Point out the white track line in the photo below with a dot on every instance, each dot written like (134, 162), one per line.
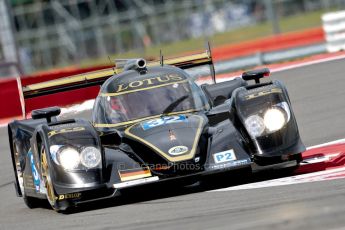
(340, 141)
(307, 63)
(304, 178)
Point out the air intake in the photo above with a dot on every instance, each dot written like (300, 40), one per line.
(136, 64)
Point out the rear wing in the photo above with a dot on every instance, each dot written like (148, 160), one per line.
(98, 77)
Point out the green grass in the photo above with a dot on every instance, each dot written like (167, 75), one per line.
(260, 30)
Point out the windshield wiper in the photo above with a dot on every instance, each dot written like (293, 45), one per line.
(174, 104)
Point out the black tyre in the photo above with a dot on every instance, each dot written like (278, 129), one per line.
(30, 202)
(51, 195)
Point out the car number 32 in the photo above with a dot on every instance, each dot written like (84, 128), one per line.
(162, 121)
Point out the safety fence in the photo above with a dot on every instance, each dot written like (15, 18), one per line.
(42, 34)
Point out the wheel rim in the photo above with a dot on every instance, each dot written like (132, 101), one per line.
(47, 180)
(18, 169)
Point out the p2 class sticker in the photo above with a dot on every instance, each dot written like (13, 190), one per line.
(225, 156)
(178, 150)
(146, 125)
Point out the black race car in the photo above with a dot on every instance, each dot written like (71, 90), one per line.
(151, 123)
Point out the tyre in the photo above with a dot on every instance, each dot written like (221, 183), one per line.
(51, 195)
(30, 202)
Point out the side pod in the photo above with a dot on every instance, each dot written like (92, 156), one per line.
(267, 120)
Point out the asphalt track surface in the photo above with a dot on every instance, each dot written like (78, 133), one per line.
(318, 99)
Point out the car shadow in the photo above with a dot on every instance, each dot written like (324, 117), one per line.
(168, 190)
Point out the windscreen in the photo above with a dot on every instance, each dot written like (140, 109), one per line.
(147, 102)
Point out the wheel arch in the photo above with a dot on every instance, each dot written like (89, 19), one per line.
(11, 143)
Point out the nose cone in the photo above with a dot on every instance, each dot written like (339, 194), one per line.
(175, 138)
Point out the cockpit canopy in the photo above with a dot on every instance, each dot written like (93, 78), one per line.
(131, 96)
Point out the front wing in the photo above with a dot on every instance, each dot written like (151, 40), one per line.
(113, 188)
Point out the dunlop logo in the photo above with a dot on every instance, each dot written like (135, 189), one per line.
(69, 196)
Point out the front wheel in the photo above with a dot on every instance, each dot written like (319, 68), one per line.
(30, 202)
(51, 195)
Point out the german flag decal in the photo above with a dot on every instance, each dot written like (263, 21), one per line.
(133, 174)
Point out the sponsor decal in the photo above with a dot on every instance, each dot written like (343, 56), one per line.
(133, 174)
(146, 125)
(36, 177)
(225, 156)
(263, 93)
(66, 130)
(231, 164)
(69, 196)
(135, 182)
(145, 83)
(197, 159)
(178, 150)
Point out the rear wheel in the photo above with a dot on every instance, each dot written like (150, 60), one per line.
(51, 195)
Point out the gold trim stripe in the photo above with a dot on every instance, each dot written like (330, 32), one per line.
(194, 59)
(188, 156)
(180, 61)
(70, 80)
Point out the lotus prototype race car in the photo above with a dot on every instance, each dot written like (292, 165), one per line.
(151, 122)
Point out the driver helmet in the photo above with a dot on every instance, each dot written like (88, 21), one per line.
(116, 112)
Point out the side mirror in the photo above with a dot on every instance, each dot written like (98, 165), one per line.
(111, 138)
(46, 113)
(255, 74)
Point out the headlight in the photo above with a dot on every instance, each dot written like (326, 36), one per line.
(90, 157)
(255, 125)
(69, 158)
(274, 119)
